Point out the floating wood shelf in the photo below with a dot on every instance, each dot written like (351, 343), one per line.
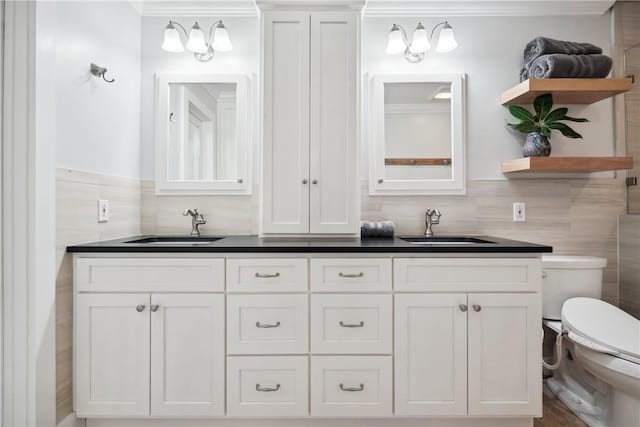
(445, 161)
(567, 91)
(567, 164)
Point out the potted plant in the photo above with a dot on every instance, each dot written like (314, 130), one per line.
(538, 127)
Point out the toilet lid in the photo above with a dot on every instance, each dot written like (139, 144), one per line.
(603, 324)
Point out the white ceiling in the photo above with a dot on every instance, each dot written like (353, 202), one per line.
(372, 8)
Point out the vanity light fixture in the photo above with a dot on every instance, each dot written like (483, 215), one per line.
(203, 48)
(414, 51)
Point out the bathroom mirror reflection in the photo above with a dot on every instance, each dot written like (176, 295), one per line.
(202, 135)
(417, 134)
(417, 130)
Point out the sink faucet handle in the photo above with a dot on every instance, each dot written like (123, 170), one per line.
(192, 212)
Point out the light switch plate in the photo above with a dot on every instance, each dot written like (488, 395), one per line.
(103, 211)
(519, 214)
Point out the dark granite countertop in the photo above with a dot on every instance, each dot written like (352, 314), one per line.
(255, 244)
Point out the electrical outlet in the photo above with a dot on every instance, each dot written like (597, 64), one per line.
(103, 211)
(519, 212)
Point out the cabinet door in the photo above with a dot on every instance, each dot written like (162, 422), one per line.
(286, 122)
(187, 355)
(505, 374)
(112, 355)
(431, 354)
(334, 122)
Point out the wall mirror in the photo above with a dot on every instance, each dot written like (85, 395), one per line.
(202, 135)
(416, 133)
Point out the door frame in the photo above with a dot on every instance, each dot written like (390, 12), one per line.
(28, 219)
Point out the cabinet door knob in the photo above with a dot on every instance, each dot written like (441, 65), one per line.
(463, 307)
(305, 181)
(240, 180)
(154, 307)
(140, 308)
(380, 180)
(314, 182)
(476, 307)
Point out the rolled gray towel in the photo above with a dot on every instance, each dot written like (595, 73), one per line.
(544, 46)
(377, 229)
(570, 66)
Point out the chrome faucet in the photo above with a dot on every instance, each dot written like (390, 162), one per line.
(197, 219)
(432, 217)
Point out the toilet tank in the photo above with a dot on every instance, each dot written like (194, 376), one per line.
(565, 277)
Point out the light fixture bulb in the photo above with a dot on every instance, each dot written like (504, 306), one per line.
(196, 41)
(446, 39)
(172, 42)
(420, 42)
(221, 40)
(395, 42)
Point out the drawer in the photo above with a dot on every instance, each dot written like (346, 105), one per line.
(267, 324)
(149, 274)
(467, 274)
(350, 275)
(356, 324)
(267, 275)
(259, 386)
(354, 386)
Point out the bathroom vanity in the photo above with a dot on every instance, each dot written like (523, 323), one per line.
(243, 327)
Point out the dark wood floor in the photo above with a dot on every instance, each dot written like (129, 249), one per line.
(556, 414)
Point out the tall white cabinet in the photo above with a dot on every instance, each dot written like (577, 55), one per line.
(310, 122)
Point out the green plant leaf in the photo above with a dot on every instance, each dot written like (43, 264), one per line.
(543, 104)
(546, 132)
(557, 114)
(521, 113)
(525, 127)
(565, 130)
(574, 119)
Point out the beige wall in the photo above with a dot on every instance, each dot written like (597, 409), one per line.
(629, 255)
(77, 195)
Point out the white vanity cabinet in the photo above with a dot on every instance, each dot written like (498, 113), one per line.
(328, 335)
(475, 353)
(310, 124)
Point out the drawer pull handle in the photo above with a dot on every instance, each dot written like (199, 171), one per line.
(352, 325)
(341, 274)
(267, 275)
(140, 308)
(267, 325)
(476, 307)
(343, 388)
(267, 389)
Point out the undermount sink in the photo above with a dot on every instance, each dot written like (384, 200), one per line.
(188, 240)
(445, 240)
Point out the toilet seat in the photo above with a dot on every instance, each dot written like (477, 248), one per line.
(602, 327)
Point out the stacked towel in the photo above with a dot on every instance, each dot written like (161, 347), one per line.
(377, 229)
(549, 58)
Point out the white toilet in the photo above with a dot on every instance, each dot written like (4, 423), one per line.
(599, 377)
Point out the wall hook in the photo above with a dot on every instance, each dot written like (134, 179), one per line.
(98, 71)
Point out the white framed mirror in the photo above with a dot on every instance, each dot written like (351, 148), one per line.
(202, 134)
(417, 134)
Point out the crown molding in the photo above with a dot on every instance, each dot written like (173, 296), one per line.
(422, 8)
(310, 4)
(213, 8)
(375, 8)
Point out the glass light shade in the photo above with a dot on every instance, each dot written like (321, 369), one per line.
(221, 40)
(420, 42)
(196, 41)
(443, 95)
(172, 42)
(446, 40)
(395, 42)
